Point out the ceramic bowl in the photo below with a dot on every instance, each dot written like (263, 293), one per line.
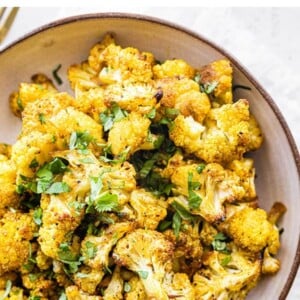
(68, 41)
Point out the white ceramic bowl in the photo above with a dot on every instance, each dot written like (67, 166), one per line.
(68, 41)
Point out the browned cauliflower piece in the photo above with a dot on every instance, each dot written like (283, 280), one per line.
(173, 68)
(149, 209)
(178, 286)
(41, 87)
(148, 253)
(16, 231)
(134, 289)
(95, 52)
(250, 229)
(128, 134)
(125, 65)
(91, 102)
(183, 94)
(187, 248)
(82, 78)
(5, 150)
(35, 146)
(216, 78)
(214, 186)
(223, 137)
(74, 293)
(114, 291)
(226, 277)
(8, 195)
(137, 96)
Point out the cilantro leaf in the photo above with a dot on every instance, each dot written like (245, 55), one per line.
(80, 140)
(37, 216)
(114, 114)
(193, 198)
(106, 202)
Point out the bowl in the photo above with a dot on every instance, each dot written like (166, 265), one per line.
(68, 41)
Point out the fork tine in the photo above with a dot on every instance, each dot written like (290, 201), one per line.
(8, 22)
(2, 10)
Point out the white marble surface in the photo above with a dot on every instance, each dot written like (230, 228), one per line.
(265, 40)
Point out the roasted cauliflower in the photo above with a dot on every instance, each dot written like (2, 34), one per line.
(137, 186)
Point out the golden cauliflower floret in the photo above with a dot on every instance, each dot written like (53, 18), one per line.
(218, 73)
(16, 231)
(184, 95)
(226, 277)
(173, 68)
(149, 209)
(114, 290)
(73, 292)
(187, 248)
(8, 195)
(15, 293)
(251, 230)
(96, 51)
(35, 146)
(130, 132)
(70, 120)
(102, 245)
(135, 289)
(223, 137)
(5, 150)
(91, 102)
(178, 286)
(125, 65)
(37, 114)
(138, 96)
(30, 92)
(147, 253)
(82, 77)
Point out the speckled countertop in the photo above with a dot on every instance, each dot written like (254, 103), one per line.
(265, 40)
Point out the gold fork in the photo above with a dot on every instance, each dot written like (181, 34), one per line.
(5, 26)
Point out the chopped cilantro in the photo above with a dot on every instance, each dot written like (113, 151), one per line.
(56, 76)
(226, 260)
(127, 287)
(37, 216)
(143, 274)
(42, 118)
(90, 250)
(219, 243)
(176, 224)
(111, 115)
(80, 140)
(193, 198)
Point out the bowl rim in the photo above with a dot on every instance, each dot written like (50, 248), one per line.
(198, 36)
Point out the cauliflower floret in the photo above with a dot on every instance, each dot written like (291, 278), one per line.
(218, 73)
(36, 115)
(188, 249)
(184, 95)
(214, 186)
(224, 137)
(138, 97)
(250, 229)
(16, 231)
(91, 102)
(125, 65)
(15, 293)
(226, 277)
(96, 51)
(35, 146)
(8, 195)
(102, 245)
(173, 68)
(135, 289)
(5, 150)
(150, 210)
(128, 133)
(148, 253)
(42, 87)
(178, 286)
(82, 78)
(115, 287)
(73, 292)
